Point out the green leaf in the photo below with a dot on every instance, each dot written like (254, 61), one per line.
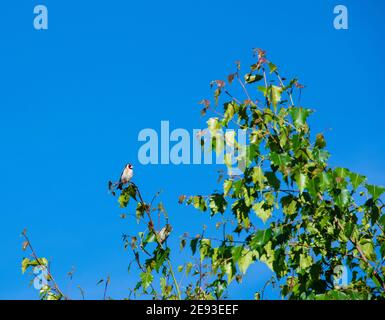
(199, 203)
(163, 284)
(26, 263)
(260, 238)
(140, 209)
(160, 256)
(236, 252)
(275, 96)
(356, 179)
(312, 187)
(267, 255)
(273, 180)
(182, 243)
(193, 245)
(342, 198)
(305, 261)
(126, 195)
(230, 270)
(332, 295)
(124, 199)
(272, 67)
(320, 155)
(280, 160)
(251, 78)
(261, 211)
(146, 278)
(375, 191)
(263, 90)
(342, 172)
(301, 180)
(289, 205)
(368, 249)
(227, 186)
(131, 191)
(279, 263)
(252, 153)
(245, 260)
(258, 176)
(189, 266)
(230, 109)
(320, 141)
(150, 237)
(270, 199)
(325, 181)
(299, 116)
(241, 211)
(205, 248)
(217, 203)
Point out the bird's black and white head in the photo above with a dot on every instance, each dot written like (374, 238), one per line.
(130, 166)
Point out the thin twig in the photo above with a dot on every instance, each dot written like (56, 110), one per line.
(105, 287)
(56, 287)
(244, 89)
(152, 228)
(282, 84)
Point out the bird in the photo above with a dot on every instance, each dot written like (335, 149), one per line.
(125, 177)
(164, 233)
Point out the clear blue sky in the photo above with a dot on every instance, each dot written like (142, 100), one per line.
(73, 99)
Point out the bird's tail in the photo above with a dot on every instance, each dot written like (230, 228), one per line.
(114, 185)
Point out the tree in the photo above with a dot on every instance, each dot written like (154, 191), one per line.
(287, 207)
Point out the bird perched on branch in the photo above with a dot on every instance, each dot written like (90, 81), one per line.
(125, 177)
(164, 233)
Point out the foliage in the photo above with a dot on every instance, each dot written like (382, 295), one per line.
(49, 290)
(287, 208)
(292, 211)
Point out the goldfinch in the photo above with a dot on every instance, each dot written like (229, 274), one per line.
(125, 177)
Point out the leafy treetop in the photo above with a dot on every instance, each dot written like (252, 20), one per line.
(288, 208)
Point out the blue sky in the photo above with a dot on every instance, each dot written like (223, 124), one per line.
(73, 99)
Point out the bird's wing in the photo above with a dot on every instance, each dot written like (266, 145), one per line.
(121, 175)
